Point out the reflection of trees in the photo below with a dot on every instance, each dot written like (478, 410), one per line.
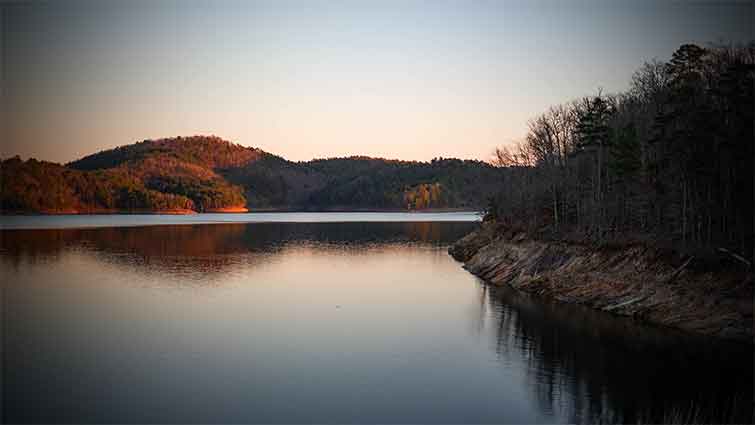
(213, 248)
(146, 243)
(590, 367)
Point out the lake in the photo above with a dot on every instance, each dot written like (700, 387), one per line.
(317, 319)
(122, 220)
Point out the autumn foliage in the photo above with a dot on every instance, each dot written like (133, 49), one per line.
(203, 173)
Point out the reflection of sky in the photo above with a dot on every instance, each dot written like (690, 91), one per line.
(200, 254)
(405, 79)
(308, 333)
(301, 323)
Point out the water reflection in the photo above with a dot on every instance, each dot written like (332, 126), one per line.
(594, 368)
(222, 239)
(201, 251)
(347, 322)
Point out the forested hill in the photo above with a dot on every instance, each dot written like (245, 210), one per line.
(206, 173)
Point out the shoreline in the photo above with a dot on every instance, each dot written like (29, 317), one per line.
(226, 210)
(82, 221)
(96, 212)
(635, 281)
(230, 210)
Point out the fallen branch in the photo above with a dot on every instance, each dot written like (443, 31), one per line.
(626, 303)
(736, 256)
(678, 271)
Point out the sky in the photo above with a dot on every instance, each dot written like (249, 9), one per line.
(405, 79)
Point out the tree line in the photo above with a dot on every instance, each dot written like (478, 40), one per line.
(204, 173)
(670, 159)
(39, 186)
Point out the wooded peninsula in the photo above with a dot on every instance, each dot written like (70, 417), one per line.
(669, 161)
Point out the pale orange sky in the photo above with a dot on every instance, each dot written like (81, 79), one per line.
(398, 79)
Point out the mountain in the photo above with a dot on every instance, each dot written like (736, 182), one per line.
(206, 173)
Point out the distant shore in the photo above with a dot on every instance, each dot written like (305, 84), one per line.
(99, 212)
(231, 210)
(365, 210)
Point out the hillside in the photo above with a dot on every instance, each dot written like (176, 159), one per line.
(206, 173)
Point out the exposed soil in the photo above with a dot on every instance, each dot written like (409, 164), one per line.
(227, 210)
(711, 296)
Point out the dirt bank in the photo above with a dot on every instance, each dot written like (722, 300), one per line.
(711, 296)
(234, 210)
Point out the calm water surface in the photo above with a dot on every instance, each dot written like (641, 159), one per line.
(122, 220)
(317, 322)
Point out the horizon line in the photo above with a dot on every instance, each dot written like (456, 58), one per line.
(214, 136)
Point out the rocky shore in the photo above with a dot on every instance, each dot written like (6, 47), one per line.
(710, 296)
